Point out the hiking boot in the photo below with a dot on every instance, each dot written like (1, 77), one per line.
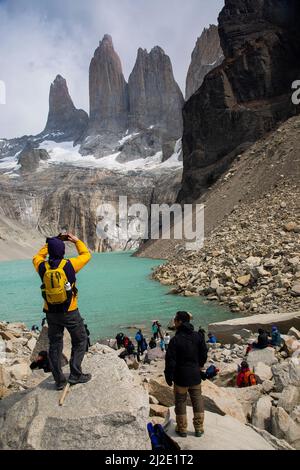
(199, 433)
(83, 379)
(181, 427)
(61, 385)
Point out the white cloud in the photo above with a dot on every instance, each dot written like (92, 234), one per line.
(40, 39)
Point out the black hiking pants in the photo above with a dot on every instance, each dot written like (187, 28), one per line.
(73, 322)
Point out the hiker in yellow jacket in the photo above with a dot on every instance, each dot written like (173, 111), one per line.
(58, 276)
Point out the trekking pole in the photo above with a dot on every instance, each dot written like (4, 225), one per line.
(64, 394)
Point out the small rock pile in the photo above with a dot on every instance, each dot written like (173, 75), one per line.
(251, 263)
(17, 344)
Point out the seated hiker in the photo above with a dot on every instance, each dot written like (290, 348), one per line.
(211, 339)
(276, 339)
(120, 339)
(130, 350)
(262, 340)
(152, 343)
(185, 357)
(211, 372)
(41, 362)
(60, 294)
(245, 377)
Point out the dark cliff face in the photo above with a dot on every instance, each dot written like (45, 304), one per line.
(246, 96)
(155, 99)
(206, 55)
(63, 117)
(108, 90)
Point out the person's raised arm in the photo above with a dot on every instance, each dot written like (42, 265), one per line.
(40, 257)
(84, 254)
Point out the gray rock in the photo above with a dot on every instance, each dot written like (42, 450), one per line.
(261, 413)
(286, 373)
(109, 412)
(290, 398)
(263, 371)
(294, 332)
(30, 158)
(268, 386)
(284, 427)
(265, 356)
(284, 321)
(246, 397)
(220, 433)
(278, 444)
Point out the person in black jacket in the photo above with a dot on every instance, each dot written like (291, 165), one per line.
(186, 355)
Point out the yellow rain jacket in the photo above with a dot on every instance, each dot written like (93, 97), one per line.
(78, 263)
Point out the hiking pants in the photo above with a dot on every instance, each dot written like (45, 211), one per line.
(73, 322)
(140, 347)
(197, 403)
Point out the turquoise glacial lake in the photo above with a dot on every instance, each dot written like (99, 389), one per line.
(115, 293)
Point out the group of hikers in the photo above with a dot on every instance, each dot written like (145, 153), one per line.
(186, 351)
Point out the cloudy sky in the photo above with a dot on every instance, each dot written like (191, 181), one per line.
(42, 38)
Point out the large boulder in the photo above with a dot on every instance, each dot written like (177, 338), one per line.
(261, 414)
(266, 356)
(220, 433)
(154, 355)
(289, 398)
(159, 389)
(246, 396)
(285, 427)
(20, 371)
(216, 399)
(286, 373)
(109, 412)
(224, 330)
(263, 371)
(30, 158)
(227, 376)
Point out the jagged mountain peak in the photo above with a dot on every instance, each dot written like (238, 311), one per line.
(206, 55)
(63, 117)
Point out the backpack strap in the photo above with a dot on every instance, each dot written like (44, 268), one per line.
(62, 264)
